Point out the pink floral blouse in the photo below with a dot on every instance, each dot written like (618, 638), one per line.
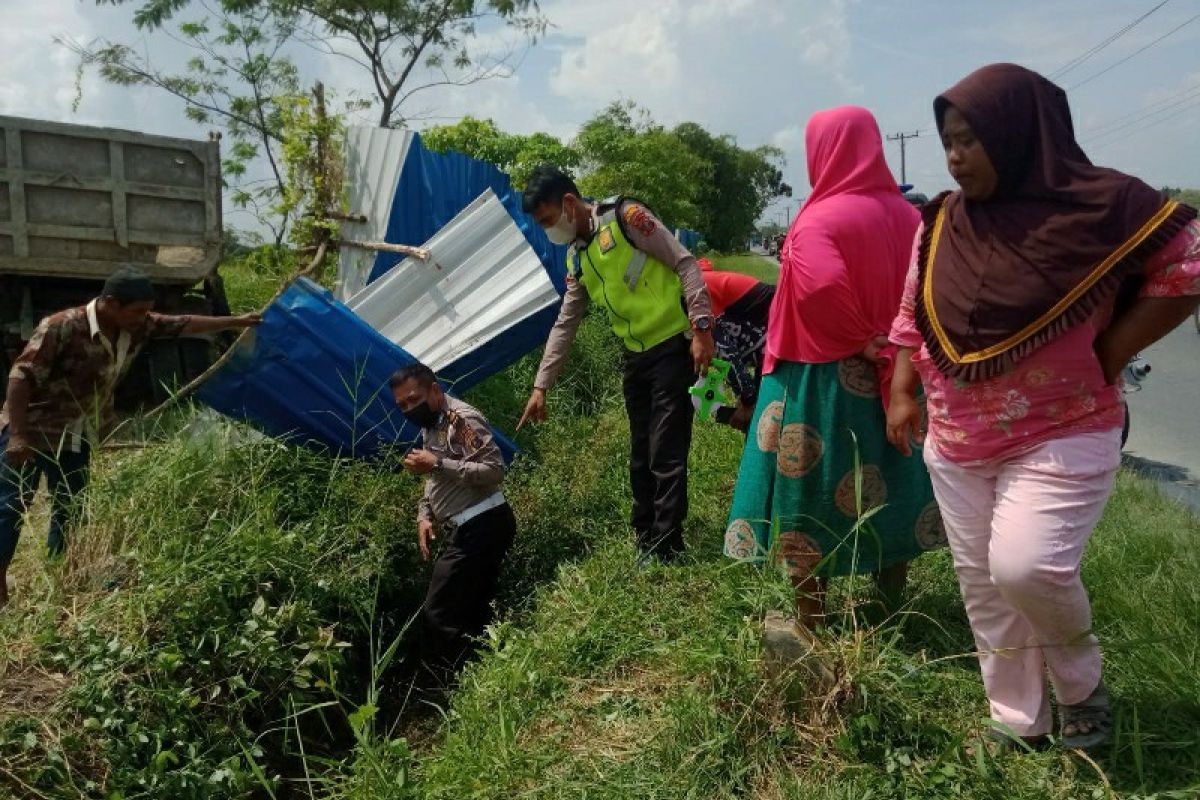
(1056, 391)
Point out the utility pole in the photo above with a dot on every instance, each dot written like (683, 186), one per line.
(902, 138)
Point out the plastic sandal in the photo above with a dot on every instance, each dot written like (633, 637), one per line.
(1091, 721)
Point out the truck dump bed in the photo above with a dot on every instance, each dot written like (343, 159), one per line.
(77, 201)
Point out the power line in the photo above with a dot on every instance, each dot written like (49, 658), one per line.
(1135, 52)
(1195, 104)
(1100, 130)
(1075, 62)
(1111, 128)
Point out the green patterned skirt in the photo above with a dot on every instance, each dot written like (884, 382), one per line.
(820, 489)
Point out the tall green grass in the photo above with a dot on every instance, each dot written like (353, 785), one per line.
(631, 684)
(233, 621)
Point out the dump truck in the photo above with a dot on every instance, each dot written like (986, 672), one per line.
(78, 202)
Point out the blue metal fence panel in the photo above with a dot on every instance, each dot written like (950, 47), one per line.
(315, 374)
(434, 187)
(689, 238)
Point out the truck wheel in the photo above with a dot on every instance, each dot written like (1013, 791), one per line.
(214, 290)
(195, 356)
(166, 368)
(4, 368)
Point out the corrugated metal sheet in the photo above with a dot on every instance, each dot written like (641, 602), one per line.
(375, 158)
(392, 173)
(315, 374)
(482, 280)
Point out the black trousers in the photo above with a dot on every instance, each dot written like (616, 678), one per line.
(458, 605)
(660, 433)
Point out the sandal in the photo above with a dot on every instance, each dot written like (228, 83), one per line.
(1088, 724)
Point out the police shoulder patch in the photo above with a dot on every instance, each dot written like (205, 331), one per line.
(606, 240)
(637, 217)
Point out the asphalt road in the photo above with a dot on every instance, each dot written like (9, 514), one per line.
(1164, 438)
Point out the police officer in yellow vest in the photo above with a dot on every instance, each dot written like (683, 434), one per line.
(624, 259)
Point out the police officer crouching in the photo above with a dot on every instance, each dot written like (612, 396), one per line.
(463, 503)
(623, 258)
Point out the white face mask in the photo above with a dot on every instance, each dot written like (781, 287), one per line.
(563, 231)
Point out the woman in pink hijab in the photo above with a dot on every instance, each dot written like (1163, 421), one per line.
(820, 491)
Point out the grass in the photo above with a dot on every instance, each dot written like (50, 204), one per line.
(223, 627)
(631, 684)
(764, 269)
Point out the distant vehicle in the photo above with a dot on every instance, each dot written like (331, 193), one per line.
(77, 202)
(1132, 378)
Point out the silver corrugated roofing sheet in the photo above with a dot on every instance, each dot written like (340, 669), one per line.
(481, 279)
(374, 158)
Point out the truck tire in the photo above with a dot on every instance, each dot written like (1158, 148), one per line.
(166, 368)
(214, 290)
(5, 366)
(195, 356)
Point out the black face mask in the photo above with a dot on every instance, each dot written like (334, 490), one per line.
(422, 415)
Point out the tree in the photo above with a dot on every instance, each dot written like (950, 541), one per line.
(405, 46)
(741, 184)
(236, 78)
(624, 152)
(241, 77)
(1189, 196)
(514, 154)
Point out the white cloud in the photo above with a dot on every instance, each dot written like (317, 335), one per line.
(756, 69)
(26, 39)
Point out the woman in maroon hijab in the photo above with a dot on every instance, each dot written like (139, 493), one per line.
(1031, 288)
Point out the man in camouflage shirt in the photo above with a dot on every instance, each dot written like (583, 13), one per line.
(60, 399)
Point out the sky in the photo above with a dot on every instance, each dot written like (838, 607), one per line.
(753, 69)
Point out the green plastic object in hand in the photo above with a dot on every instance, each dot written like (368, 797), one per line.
(711, 392)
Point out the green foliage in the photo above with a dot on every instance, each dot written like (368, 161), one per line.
(1189, 196)
(233, 621)
(741, 184)
(235, 78)
(410, 46)
(625, 152)
(312, 158)
(515, 154)
(239, 77)
(404, 47)
(688, 176)
(646, 684)
(254, 625)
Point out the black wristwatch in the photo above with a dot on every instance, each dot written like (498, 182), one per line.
(703, 324)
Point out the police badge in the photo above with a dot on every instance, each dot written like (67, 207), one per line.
(606, 240)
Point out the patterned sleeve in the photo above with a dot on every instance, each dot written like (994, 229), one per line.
(740, 379)
(165, 326)
(37, 359)
(1174, 271)
(904, 328)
